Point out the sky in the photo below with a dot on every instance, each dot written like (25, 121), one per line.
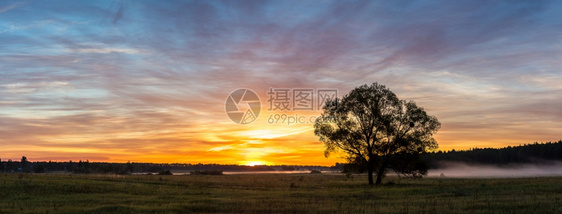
(147, 81)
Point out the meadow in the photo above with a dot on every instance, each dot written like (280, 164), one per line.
(274, 193)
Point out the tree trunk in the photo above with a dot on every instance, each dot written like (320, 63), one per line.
(380, 173)
(370, 173)
(379, 177)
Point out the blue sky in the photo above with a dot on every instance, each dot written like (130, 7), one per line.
(147, 80)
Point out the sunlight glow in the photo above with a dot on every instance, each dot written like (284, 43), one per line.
(255, 163)
(271, 134)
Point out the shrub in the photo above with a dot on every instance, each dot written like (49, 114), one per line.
(167, 172)
(206, 172)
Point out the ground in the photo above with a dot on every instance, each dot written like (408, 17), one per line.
(280, 193)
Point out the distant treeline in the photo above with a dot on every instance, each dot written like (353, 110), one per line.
(528, 153)
(86, 167)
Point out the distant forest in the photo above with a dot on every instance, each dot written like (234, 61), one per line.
(87, 167)
(536, 153)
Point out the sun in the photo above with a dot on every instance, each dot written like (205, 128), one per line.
(254, 163)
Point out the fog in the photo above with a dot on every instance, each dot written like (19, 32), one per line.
(463, 170)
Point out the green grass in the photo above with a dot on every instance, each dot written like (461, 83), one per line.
(278, 193)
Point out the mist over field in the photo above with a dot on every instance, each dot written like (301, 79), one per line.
(464, 170)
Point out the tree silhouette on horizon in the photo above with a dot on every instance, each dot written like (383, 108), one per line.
(375, 128)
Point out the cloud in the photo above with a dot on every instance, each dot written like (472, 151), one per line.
(109, 50)
(10, 7)
(141, 78)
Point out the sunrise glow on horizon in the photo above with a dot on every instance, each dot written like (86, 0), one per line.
(150, 81)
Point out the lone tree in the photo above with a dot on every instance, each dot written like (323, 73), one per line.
(378, 130)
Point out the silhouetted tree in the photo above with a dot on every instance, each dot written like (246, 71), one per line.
(9, 166)
(130, 167)
(24, 164)
(376, 128)
(82, 167)
(355, 164)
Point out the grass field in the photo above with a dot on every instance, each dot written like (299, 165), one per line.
(280, 193)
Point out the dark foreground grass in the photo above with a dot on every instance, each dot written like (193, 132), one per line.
(278, 193)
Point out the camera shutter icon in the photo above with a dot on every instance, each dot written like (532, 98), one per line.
(243, 106)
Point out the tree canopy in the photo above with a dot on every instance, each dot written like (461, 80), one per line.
(373, 127)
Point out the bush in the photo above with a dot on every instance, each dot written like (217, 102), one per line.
(167, 172)
(206, 172)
